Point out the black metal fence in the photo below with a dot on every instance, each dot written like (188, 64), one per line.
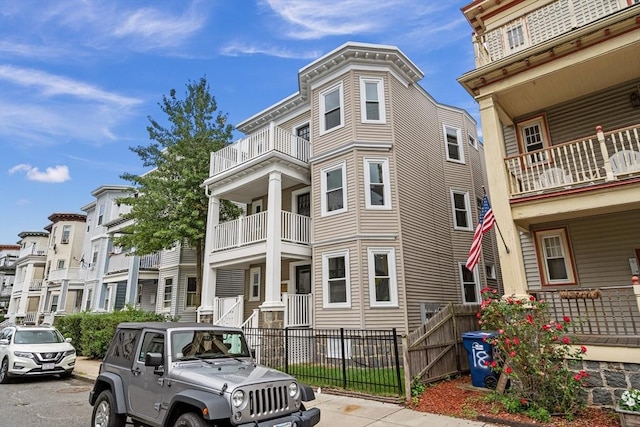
(366, 361)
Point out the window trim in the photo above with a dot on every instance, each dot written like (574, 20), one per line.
(473, 141)
(466, 209)
(252, 272)
(460, 144)
(569, 260)
(100, 213)
(164, 293)
(476, 279)
(393, 278)
(322, 111)
(541, 120)
(186, 293)
(386, 177)
(325, 279)
(517, 23)
(379, 81)
(323, 189)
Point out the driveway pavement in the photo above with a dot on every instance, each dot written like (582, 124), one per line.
(336, 410)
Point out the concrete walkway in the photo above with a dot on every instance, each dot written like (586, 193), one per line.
(338, 411)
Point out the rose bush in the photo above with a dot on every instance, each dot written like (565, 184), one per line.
(533, 350)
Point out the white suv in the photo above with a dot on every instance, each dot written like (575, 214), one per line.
(35, 350)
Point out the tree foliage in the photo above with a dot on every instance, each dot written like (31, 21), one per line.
(168, 204)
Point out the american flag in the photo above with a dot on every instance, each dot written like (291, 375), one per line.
(485, 223)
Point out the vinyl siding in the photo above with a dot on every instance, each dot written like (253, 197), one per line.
(431, 249)
(370, 131)
(337, 137)
(296, 121)
(338, 317)
(601, 245)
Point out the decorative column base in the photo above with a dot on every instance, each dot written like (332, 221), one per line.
(273, 319)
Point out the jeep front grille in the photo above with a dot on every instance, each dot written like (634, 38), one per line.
(268, 400)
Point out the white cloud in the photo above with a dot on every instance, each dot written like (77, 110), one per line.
(55, 174)
(52, 85)
(237, 48)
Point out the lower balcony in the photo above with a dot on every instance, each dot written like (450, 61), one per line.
(607, 315)
(123, 262)
(73, 274)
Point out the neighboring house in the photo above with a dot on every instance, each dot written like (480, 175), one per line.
(117, 277)
(30, 270)
(362, 195)
(64, 274)
(8, 256)
(558, 83)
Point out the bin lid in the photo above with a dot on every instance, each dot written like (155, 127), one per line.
(478, 334)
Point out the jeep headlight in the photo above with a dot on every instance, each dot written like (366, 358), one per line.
(293, 389)
(237, 398)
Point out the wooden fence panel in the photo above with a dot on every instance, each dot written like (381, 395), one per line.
(434, 351)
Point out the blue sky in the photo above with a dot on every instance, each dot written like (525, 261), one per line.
(78, 78)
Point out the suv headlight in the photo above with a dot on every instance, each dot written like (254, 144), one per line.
(293, 389)
(237, 398)
(24, 354)
(69, 353)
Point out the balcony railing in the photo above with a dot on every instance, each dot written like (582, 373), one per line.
(269, 139)
(35, 285)
(610, 311)
(73, 273)
(33, 250)
(601, 158)
(228, 311)
(298, 309)
(540, 25)
(122, 262)
(253, 229)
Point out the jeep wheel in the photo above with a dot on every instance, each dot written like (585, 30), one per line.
(190, 419)
(104, 412)
(4, 371)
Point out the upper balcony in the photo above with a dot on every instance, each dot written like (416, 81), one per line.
(269, 141)
(75, 274)
(539, 26)
(36, 250)
(123, 262)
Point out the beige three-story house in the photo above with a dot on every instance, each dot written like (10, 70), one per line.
(362, 196)
(558, 84)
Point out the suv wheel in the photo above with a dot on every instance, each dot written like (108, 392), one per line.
(104, 412)
(190, 419)
(4, 371)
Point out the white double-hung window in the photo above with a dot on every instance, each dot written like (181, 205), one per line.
(453, 144)
(372, 100)
(334, 192)
(555, 258)
(383, 289)
(336, 288)
(377, 184)
(461, 211)
(331, 108)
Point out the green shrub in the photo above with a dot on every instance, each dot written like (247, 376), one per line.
(91, 333)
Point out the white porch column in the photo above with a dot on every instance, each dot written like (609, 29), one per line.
(24, 297)
(209, 274)
(272, 300)
(131, 294)
(512, 265)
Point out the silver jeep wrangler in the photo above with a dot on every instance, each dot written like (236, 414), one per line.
(193, 375)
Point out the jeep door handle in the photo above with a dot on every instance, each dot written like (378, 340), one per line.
(136, 372)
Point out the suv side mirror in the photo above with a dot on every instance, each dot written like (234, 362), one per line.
(68, 340)
(153, 359)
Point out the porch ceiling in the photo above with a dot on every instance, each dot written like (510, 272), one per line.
(567, 205)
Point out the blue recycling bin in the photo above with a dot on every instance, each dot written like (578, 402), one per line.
(480, 356)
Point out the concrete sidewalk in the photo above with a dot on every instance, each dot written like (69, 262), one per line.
(338, 410)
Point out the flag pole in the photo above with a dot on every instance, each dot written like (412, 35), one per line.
(498, 227)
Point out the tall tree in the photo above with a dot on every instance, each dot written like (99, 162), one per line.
(168, 204)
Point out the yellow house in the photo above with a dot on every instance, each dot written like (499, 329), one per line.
(558, 84)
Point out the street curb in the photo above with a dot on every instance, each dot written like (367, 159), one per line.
(82, 377)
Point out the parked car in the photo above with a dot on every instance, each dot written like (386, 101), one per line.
(35, 350)
(193, 375)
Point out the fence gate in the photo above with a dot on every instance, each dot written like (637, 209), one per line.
(434, 351)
